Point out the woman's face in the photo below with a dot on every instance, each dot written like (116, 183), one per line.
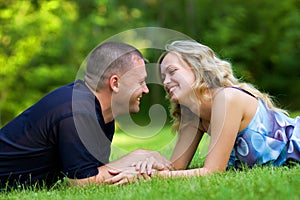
(177, 78)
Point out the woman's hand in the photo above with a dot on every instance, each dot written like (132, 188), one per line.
(153, 161)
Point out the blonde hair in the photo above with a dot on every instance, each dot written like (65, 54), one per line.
(210, 72)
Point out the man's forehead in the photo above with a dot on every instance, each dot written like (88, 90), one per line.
(138, 71)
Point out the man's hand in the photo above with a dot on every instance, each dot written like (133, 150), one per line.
(137, 165)
(126, 175)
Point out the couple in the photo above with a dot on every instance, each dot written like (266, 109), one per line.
(69, 131)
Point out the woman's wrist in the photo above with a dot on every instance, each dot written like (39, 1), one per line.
(182, 173)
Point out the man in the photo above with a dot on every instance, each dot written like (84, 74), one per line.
(68, 132)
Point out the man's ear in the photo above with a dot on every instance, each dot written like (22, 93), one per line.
(114, 83)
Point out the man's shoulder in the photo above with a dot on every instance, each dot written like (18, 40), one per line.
(67, 93)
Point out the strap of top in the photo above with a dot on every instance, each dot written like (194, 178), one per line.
(243, 90)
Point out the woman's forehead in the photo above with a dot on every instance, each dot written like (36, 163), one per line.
(170, 59)
(173, 59)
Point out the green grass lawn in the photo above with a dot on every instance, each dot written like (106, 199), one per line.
(258, 183)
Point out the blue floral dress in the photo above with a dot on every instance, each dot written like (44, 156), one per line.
(270, 138)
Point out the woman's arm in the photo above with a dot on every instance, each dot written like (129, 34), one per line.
(227, 113)
(184, 150)
(183, 173)
(186, 146)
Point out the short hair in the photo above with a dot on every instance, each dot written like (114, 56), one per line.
(106, 59)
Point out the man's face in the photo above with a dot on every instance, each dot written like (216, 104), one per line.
(132, 86)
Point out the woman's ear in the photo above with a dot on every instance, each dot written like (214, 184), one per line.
(114, 83)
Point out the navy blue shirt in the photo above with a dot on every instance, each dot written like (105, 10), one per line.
(63, 134)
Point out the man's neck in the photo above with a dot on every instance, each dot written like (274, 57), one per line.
(105, 104)
(104, 98)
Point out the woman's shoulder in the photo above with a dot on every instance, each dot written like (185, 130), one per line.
(233, 93)
(227, 94)
(237, 102)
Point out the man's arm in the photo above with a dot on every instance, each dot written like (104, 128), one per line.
(102, 175)
(123, 169)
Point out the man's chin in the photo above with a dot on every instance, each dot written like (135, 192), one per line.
(134, 110)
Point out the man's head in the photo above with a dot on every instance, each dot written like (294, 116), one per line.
(119, 68)
(106, 59)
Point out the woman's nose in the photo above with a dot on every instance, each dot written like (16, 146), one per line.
(166, 80)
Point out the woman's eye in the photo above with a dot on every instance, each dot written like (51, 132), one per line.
(172, 71)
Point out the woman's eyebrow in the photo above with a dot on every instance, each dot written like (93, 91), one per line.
(165, 70)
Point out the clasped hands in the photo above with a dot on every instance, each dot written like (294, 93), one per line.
(139, 170)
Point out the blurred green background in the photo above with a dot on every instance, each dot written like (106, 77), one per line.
(43, 43)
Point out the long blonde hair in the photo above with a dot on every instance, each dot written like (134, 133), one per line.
(210, 72)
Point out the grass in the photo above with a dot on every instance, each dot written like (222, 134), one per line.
(258, 183)
(294, 114)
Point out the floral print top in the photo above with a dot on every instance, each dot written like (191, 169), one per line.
(270, 138)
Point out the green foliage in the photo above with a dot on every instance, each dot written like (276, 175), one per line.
(260, 38)
(32, 62)
(44, 42)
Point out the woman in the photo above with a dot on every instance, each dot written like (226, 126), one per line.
(243, 123)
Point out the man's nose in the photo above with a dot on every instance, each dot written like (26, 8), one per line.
(145, 89)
